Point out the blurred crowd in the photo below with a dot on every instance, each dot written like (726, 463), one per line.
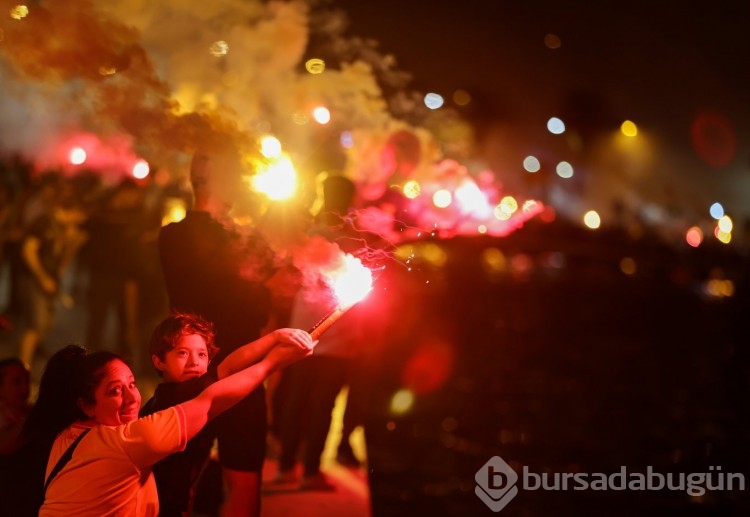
(80, 240)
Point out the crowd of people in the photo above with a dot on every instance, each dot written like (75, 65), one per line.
(76, 239)
(172, 299)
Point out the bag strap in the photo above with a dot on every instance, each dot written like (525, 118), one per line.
(65, 458)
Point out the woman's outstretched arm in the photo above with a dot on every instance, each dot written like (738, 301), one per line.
(228, 391)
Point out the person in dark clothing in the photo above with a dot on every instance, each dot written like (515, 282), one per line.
(218, 272)
(307, 393)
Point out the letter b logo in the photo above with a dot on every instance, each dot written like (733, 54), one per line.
(496, 483)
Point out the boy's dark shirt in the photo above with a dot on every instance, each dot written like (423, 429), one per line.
(177, 474)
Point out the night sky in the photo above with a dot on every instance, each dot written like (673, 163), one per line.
(658, 65)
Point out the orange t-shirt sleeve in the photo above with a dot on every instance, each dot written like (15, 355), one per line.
(151, 438)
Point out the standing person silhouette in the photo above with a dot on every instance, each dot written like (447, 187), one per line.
(212, 270)
(307, 392)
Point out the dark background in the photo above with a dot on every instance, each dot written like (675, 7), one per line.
(559, 362)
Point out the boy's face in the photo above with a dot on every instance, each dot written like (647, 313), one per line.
(15, 387)
(188, 359)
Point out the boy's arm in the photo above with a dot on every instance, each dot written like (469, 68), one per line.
(254, 351)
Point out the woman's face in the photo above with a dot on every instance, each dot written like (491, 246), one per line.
(116, 397)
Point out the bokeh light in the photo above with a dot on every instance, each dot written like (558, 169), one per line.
(552, 41)
(19, 12)
(628, 128)
(219, 49)
(141, 169)
(461, 97)
(713, 138)
(346, 139)
(433, 101)
(77, 156)
(442, 198)
(722, 236)
(531, 164)
(716, 211)
(321, 115)
(592, 219)
(564, 170)
(725, 224)
(428, 368)
(402, 401)
(508, 205)
(628, 266)
(694, 236)
(270, 147)
(555, 126)
(315, 66)
(412, 189)
(493, 260)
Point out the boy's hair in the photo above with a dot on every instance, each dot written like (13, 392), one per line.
(178, 324)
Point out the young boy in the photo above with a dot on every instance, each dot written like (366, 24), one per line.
(181, 348)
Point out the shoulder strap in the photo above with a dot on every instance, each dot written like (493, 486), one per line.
(65, 458)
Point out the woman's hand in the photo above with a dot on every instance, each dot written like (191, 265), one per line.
(286, 353)
(294, 337)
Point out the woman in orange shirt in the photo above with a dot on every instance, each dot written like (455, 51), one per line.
(109, 472)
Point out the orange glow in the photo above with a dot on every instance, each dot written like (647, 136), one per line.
(429, 368)
(713, 138)
(628, 266)
(628, 128)
(277, 180)
(552, 41)
(174, 210)
(461, 97)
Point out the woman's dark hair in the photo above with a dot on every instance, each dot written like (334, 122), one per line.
(71, 374)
